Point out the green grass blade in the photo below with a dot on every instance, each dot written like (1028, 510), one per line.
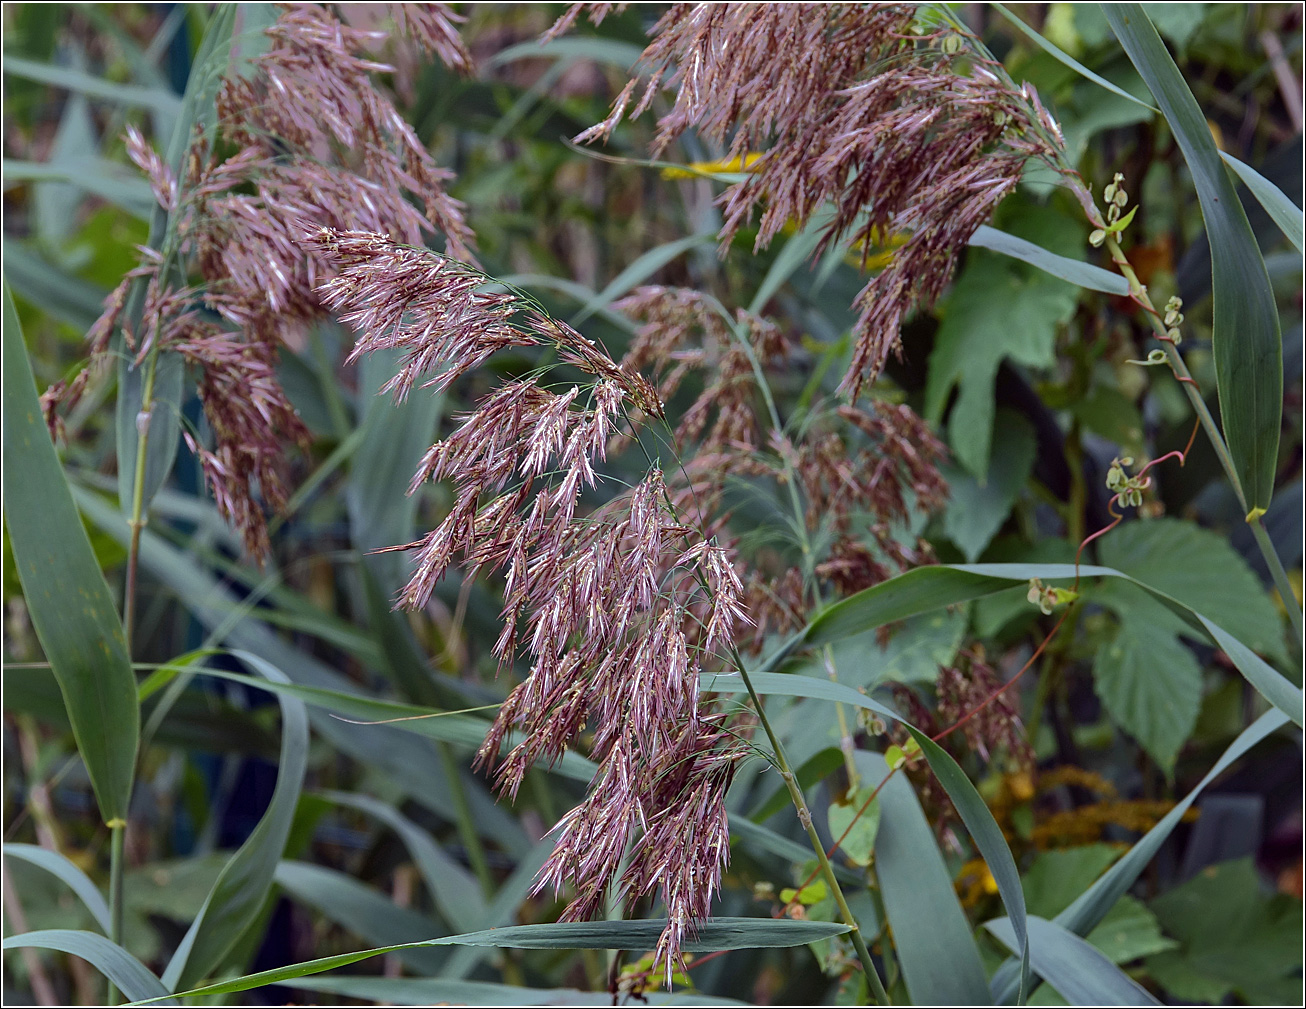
(987, 835)
(933, 941)
(1085, 275)
(638, 272)
(453, 889)
(69, 601)
(63, 295)
(105, 179)
(60, 866)
(1245, 339)
(130, 975)
(1067, 59)
(159, 99)
(1286, 214)
(238, 895)
(621, 55)
(796, 251)
(1081, 973)
(404, 757)
(427, 991)
(366, 912)
(715, 935)
(217, 55)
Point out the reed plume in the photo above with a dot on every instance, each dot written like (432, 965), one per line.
(904, 131)
(617, 608)
(303, 136)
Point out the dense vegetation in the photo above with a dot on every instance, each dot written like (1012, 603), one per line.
(824, 524)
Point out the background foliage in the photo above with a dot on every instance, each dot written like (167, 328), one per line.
(268, 824)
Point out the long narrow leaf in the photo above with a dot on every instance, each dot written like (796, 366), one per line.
(1286, 214)
(935, 947)
(61, 867)
(1066, 59)
(66, 594)
(637, 272)
(159, 99)
(1085, 275)
(130, 975)
(427, 991)
(987, 835)
(719, 934)
(1245, 338)
(236, 898)
(455, 892)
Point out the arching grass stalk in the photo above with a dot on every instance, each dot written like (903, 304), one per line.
(878, 994)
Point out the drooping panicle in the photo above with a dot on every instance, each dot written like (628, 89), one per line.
(616, 608)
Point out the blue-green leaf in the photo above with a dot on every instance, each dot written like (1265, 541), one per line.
(1081, 973)
(131, 976)
(60, 866)
(239, 893)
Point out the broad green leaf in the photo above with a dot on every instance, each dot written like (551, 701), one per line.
(131, 976)
(67, 597)
(60, 866)
(1110, 413)
(1286, 214)
(851, 819)
(1057, 877)
(997, 310)
(238, 895)
(977, 508)
(1092, 906)
(1201, 570)
(455, 892)
(1065, 58)
(638, 272)
(932, 938)
(1081, 973)
(1129, 931)
(1234, 934)
(1073, 271)
(1245, 336)
(427, 991)
(1152, 686)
